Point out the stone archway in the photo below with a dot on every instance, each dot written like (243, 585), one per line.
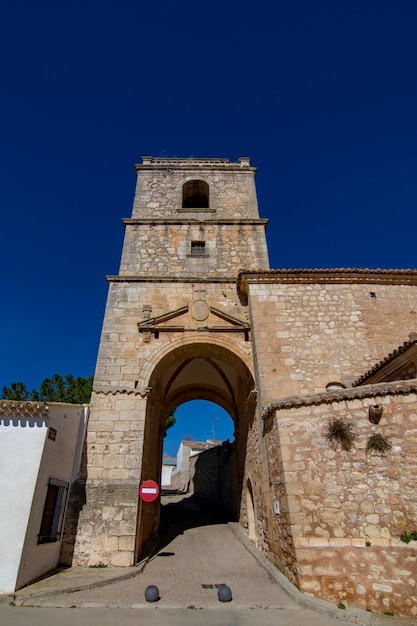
(204, 371)
(175, 329)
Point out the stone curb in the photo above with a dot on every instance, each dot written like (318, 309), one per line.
(19, 600)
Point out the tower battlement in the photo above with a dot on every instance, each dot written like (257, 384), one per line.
(189, 163)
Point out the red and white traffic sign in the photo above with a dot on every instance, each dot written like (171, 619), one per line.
(149, 491)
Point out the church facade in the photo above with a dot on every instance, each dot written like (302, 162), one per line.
(317, 369)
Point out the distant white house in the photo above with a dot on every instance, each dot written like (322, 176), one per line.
(168, 466)
(181, 477)
(40, 454)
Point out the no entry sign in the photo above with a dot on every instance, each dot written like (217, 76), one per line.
(149, 491)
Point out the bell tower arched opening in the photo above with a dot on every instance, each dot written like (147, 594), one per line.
(198, 371)
(195, 195)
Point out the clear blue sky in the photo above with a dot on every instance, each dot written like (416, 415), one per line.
(198, 420)
(322, 95)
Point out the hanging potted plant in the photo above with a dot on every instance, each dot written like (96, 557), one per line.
(375, 413)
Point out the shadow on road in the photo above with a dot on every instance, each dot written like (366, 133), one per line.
(190, 512)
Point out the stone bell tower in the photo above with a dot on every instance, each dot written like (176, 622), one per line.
(193, 218)
(174, 330)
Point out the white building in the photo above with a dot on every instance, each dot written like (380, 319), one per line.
(182, 475)
(168, 466)
(40, 455)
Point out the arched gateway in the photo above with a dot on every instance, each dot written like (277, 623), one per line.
(175, 329)
(185, 321)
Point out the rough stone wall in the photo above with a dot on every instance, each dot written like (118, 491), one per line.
(308, 335)
(348, 509)
(159, 191)
(213, 475)
(256, 472)
(158, 236)
(124, 355)
(277, 532)
(162, 249)
(182, 481)
(107, 520)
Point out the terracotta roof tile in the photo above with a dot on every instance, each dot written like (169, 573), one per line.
(14, 408)
(368, 391)
(388, 359)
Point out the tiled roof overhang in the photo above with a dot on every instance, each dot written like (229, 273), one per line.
(340, 395)
(14, 408)
(329, 276)
(405, 353)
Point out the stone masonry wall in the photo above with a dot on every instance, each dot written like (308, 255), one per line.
(159, 234)
(124, 356)
(214, 474)
(162, 249)
(256, 472)
(232, 190)
(115, 439)
(348, 509)
(107, 518)
(308, 335)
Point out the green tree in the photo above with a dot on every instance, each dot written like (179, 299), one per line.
(78, 390)
(55, 389)
(52, 389)
(169, 422)
(68, 389)
(16, 391)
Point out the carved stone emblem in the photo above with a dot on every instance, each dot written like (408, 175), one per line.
(200, 310)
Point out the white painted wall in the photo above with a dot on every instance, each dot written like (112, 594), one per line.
(183, 454)
(166, 475)
(28, 459)
(58, 459)
(21, 445)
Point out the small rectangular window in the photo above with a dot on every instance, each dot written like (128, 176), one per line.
(198, 248)
(53, 511)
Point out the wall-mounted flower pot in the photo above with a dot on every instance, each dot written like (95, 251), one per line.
(375, 413)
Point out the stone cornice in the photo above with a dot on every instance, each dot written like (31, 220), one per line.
(108, 390)
(340, 395)
(327, 276)
(172, 221)
(171, 279)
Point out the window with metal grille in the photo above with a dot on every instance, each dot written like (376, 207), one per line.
(53, 511)
(198, 248)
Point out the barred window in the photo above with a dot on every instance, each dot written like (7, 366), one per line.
(198, 248)
(53, 511)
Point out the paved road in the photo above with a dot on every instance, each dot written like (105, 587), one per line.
(197, 553)
(157, 616)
